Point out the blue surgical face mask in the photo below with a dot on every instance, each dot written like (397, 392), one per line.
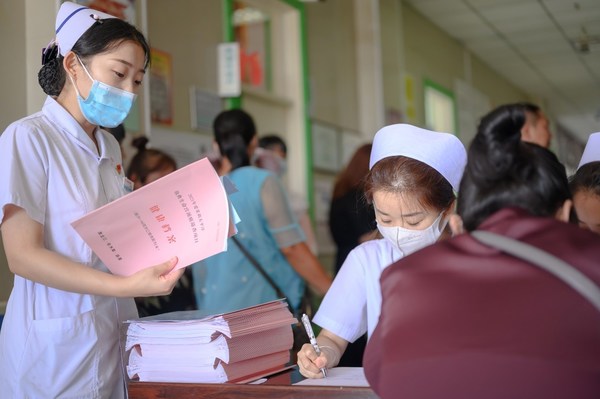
(106, 105)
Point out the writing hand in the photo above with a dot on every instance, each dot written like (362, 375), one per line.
(310, 364)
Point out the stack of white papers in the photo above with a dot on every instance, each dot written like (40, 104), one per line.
(188, 346)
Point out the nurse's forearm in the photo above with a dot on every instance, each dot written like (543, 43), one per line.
(308, 266)
(54, 270)
(27, 257)
(306, 225)
(333, 345)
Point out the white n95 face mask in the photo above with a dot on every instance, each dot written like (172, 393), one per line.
(409, 241)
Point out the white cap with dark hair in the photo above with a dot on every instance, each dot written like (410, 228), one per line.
(591, 153)
(444, 152)
(72, 21)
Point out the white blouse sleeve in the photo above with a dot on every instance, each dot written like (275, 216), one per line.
(344, 308)
(23, 175)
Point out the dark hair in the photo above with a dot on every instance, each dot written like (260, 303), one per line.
(525, 107)
(147, 160)
(407, 176)
(503, 171)
(353, 175)
(531, 109)
(234, 130)
(272, 140)
(587, 178)
(118, 132)
(102, 36)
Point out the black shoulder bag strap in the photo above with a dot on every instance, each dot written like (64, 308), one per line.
(258, 267)
(550, 263)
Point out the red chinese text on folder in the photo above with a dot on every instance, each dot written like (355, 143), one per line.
(184, 214)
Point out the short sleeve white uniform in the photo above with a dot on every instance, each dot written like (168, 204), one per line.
(55, 343)
(352, 305)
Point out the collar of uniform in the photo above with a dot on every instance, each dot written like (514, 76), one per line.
(102, 138)
(66, 123)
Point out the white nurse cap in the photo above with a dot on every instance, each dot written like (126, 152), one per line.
(444, 152)
(72, 21)
(591, 152)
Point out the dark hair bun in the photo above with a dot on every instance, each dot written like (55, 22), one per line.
(51, 77)
(496, 147)
(140, 143)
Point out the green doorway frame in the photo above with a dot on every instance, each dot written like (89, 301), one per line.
(236, 102)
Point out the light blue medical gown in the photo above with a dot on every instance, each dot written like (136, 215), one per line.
(228, 280)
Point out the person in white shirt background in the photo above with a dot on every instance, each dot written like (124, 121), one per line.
(61, 332)
(413, 179)
(585, 186)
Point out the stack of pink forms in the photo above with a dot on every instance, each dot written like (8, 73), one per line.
(238, 346)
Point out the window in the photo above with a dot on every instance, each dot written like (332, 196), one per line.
(440, 112)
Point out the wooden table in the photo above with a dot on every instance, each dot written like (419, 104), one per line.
(277, 386)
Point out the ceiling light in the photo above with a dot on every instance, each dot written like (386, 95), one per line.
(586, 43)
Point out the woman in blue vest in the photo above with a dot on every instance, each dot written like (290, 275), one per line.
(268, 231)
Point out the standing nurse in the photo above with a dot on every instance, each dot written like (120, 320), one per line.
(60, 336)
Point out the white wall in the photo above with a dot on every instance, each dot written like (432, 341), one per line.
(429, 53)
(13, 101)
(332, 62)
(21, 41)
(188, 30)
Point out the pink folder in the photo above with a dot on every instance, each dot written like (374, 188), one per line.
(184, 214)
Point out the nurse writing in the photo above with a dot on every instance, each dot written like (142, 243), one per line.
(414, 175)
(60, 336)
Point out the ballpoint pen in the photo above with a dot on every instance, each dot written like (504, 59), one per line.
(313, 339)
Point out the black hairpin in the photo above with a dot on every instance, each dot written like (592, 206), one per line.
(49, 52)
